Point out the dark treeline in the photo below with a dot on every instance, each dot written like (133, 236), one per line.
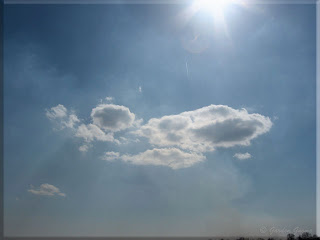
(290, 236)
(303, 236)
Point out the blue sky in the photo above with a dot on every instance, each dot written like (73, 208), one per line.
(208, 128)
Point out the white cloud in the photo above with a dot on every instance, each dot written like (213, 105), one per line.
(109, 99)
(112, 117)
(170, 157)
(84, 148)
(59, 114)
(242, 156)
(46, 190)
(206, 128)
(72, 120)
(107, 118)
(58, 111)
(91, 132)
(110, 156)
(124, 140)
(140, 89)
(182, 138)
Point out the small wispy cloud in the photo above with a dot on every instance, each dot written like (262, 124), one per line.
(62, 117)
(92, 132)
(124, 140)
(109, 99)
(242, 156)
(140, 89)
(84, 148)
(110, 156)
(58, 111)
(168, 157)
(46, 189)
(72, 120)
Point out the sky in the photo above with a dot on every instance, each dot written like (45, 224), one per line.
(159, 119)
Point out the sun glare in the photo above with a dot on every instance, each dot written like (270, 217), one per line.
(210, 4)
(213, 6)
(216, 8)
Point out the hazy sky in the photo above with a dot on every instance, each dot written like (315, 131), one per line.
(159, 120)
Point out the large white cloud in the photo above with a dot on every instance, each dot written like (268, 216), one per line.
(204, 129)
(181, 138)
(170, 157)
(46, 190)
(112, 117)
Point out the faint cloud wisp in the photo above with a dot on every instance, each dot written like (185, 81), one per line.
(46, 189)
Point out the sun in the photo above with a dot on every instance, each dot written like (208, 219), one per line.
(218, 12)
(214, 7)
(211, 4)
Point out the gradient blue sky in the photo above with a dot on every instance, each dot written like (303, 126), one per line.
(155, 63)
